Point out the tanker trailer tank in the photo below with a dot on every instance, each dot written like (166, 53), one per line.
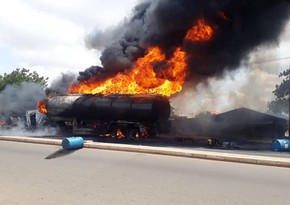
(110, 114)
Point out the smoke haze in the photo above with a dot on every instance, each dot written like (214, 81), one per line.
(17, 99)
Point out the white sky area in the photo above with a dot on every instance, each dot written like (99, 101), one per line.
(47, 36)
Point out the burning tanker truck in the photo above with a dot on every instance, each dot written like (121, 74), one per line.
(164, 44)
(130, 116)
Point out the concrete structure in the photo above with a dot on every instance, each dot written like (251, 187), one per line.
(170, 151)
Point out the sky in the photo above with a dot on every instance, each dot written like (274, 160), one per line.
(49, 37)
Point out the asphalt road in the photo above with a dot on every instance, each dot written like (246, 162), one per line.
(41, 174)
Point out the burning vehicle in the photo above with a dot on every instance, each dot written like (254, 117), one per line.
(162, 48)
(119, 116)
(10, 122)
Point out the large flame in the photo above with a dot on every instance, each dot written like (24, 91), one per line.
(143, 78)
(152, 74)
(155, 73)
(199, 32)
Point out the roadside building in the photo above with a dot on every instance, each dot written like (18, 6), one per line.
(245, 123)
(236, 125)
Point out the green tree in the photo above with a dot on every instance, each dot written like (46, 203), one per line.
(281, 104)
(19, 76)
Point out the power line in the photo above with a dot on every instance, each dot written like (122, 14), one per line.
(271, 60)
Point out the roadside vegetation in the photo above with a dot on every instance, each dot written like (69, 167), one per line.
(281, 103)
(19, 76)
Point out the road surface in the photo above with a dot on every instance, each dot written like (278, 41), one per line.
(42, 174)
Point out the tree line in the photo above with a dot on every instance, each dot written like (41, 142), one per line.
(19, 76)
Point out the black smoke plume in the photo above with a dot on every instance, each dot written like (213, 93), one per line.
(239, 27)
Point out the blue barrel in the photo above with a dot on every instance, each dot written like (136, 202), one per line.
(281, 145)
(72, 143)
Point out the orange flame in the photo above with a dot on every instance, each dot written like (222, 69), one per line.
(137, 135)
(145, 77)
(199, 32)
(120, 134)
(42, 106)
(142, 78)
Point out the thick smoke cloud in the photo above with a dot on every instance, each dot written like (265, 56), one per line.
(15, 100)
(240, 28)
(100, 39)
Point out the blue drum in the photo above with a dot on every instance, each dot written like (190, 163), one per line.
(72, 143)
(281, 145)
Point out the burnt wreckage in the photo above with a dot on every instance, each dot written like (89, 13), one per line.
(109, 115)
